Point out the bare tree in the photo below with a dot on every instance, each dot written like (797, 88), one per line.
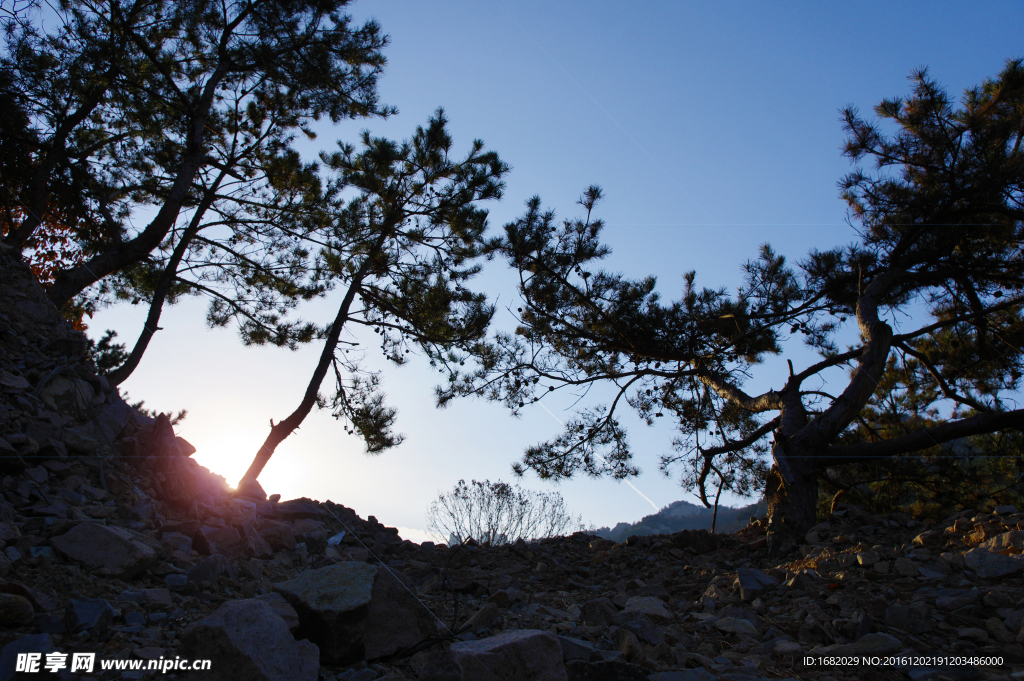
(498, 513)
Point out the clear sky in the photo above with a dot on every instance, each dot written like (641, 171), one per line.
(712, 127)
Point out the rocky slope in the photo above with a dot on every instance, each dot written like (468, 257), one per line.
(115, 542)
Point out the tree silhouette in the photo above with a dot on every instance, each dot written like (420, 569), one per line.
(178, 118)
(398, 256)
(935, 275)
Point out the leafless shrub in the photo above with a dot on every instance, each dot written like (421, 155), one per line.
(499, 513)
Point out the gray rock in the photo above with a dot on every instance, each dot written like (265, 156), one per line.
(176, 581)
(752, 583)
(283, 608)
(176, 541)
(94, 614)
(1002, 543)
(246, 640)
(644, 630)
(356, 611)
(523, 655)
(484, 617)
(905, 567)
(209, 569)
(15, 610)
(35, 643)
(280, 537)
(578, 649)
(125, 553)
(597, 611)
(296, 509)
(650, 606)
(250, 489)
(253, 545)
(736, 625)
(223, 540)
(988, 565)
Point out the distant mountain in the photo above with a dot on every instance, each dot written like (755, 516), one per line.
(682, 515)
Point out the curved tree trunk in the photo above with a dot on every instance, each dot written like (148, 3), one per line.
(792, 504)
(163, 287)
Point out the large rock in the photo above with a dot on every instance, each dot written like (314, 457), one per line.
(209, 569)
(125, 553)
(753, 582)
(253, 545)
(649, 606)
(35, 643)
(356, 611)
(523, 655)
(163, 455)
(282, 608)
(279, 537)
(223, 540)
(94, 614)
(1005, 542)
(597, 611)
(988, 565)
(15, 611)
(246, 640)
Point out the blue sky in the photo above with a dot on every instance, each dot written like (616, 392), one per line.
(712, 127)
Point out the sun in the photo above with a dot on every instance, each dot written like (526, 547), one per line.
(229, 453)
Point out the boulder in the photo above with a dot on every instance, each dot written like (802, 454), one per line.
(988, 565)
(299, 508)
(283, 608)
(597, 612)
(161, 454)
(93, 614)
(209, 569)
(253, 545)
(484, 617)
(176, 541)
(250, 489)
(735, 625)
(357, 611)
(223, 540)
(1005, 543)
(35, 643)
(578, 649)
(246, 640)
(649, 606)
(279, 537)
(905, 567)
(15, 611)
(523, 655)
(125, 553)
(644, 630)
(752, 583)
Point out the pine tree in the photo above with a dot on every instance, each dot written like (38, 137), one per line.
(940, 222)
(157, 145)
(399, 256)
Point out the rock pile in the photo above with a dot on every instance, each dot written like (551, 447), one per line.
(114, 541)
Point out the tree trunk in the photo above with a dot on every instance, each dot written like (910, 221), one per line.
(163, 287)
(792, 506)
(279, 431)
